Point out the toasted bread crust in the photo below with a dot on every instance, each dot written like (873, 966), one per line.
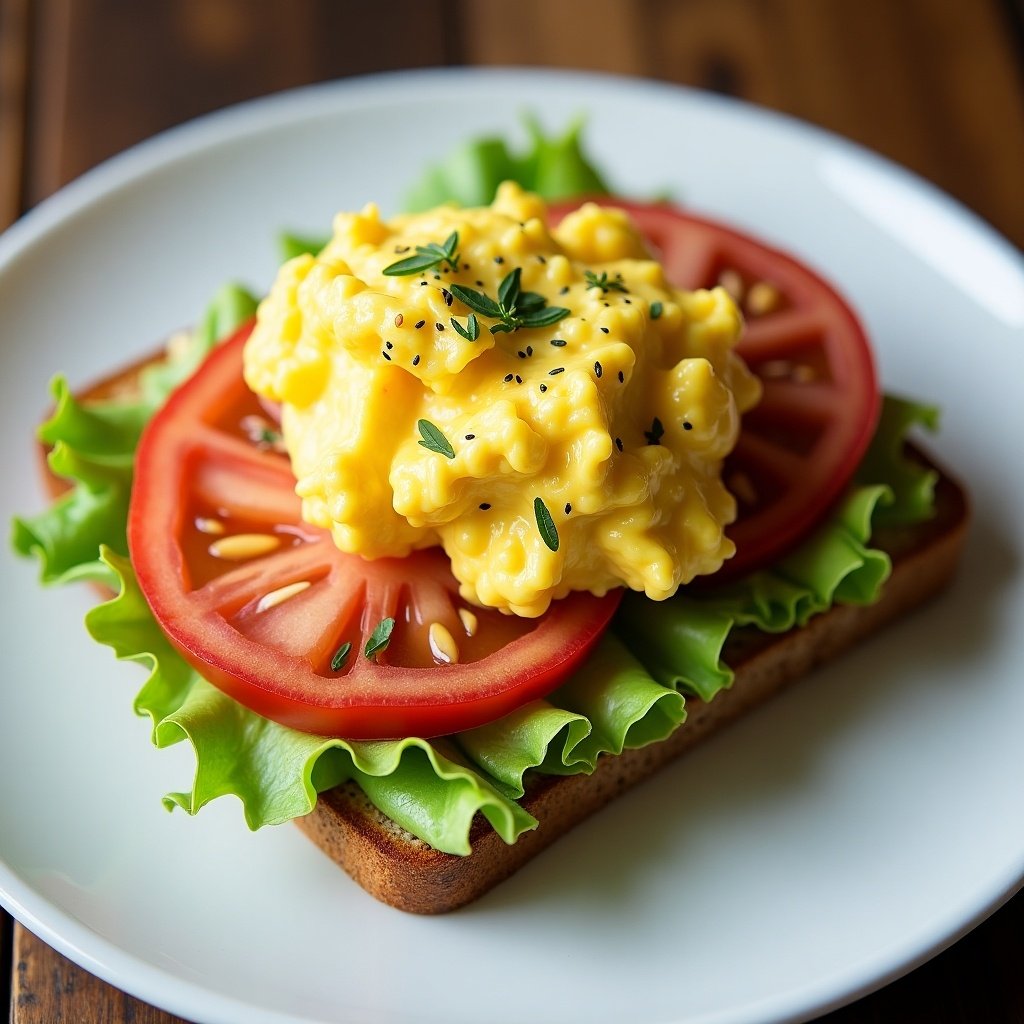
(406, 873)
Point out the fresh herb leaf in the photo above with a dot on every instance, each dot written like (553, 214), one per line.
(544, 317)
(427, 257)
(477, 301)
(514, 309)
(434, 439)
(508, 290)
(545, 524)
(340, 656)
(530, 302)
(472, 329)
(656, 310)
(603, 282)
(379, 638)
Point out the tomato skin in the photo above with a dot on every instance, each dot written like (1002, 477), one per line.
(185, 450)
(360, 718)
(799, 448)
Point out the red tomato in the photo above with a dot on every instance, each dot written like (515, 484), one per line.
(800, 447)
(262, 605)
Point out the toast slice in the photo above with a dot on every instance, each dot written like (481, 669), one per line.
(405, 872)
(401, 870)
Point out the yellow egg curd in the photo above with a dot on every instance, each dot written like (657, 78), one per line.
(577, 447)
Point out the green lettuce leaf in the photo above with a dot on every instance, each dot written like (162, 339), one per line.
(555, 167)
(92, 447)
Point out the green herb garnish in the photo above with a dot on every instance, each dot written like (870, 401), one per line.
(513, 308)
(472, 329)
(603, 282)
(340, 656)
(427, 257)
(656, 309)
(545, 524)
(379, 638)
(434, 439)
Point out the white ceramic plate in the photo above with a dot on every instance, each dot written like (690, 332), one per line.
(822, 846)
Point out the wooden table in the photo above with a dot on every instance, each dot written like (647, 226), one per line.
(937, 85)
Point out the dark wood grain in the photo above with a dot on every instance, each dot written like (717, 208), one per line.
(107, 73)
(937, 85)
(48, 989)
(13, 100)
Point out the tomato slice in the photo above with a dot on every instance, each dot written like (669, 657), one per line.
(800, 446)
(263, 605)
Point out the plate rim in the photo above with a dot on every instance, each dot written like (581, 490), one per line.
(143, 979)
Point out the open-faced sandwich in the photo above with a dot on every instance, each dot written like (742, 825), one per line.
(485, 514)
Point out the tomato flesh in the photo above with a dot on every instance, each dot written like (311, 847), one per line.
(800, 447)
(262, 605)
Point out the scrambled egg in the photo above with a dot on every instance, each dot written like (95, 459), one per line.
(580, 454)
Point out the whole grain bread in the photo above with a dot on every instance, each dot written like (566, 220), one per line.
(401, 870)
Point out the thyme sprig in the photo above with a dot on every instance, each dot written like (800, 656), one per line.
(472, 329)
(427, 257)
(604, 282)
(513, 307)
